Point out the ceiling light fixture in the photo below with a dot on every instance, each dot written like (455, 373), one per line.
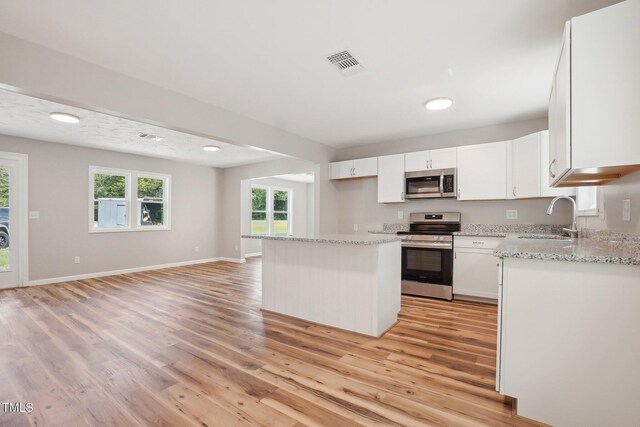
(64, 117)
(211, 148)
(439, 103)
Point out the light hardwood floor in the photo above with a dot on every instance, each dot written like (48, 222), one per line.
(190, 346)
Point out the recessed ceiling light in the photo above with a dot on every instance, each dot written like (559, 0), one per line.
(211, 148)
(439, 103)
(64, 117)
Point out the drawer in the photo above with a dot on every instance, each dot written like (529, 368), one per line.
(477, 242)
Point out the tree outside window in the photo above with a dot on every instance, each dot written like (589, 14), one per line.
(270, 211)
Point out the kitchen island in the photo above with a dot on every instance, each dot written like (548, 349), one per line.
(350, 282)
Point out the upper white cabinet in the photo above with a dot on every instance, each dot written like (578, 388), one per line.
(595, 100)
(482, 171)
(444, 158)
(391, 178)
(358, 168)
(527, 169)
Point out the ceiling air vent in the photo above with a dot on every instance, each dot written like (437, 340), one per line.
(345, 63)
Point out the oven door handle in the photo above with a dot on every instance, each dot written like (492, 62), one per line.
(430, 245)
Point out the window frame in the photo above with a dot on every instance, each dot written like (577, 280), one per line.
(270, 211)
(131, 198)
(589, 212)
(266, 211)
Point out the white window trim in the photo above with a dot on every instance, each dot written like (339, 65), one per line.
(270, 211)
(590, 212)
(131, 196)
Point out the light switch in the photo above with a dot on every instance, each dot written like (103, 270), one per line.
(355, 227)
(400, 214)
(626, 210)
(34, 214)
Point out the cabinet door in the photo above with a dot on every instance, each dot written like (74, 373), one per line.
(545, 178)
(559, 115)
(391, 178)
(417, 161)
(482, 171)
(525, 164)
(342, 170)
(443, 158)
(365, 167)
(475, 273)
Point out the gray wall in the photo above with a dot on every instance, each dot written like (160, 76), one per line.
(479, 135)
(357, 199)
(612, 195)
(59, 190)
(358, 204)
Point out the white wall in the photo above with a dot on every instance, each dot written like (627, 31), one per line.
(613, 194)
(59, 190)
(301, 209)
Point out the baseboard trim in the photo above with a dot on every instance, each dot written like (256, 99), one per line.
(253, 254)
(53, 280)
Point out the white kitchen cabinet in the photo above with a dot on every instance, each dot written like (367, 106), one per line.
(443, 158)
(358, 168)
(482, 171)
(475, 269)
(528, 175)
(391, 178)
(595, 99)
(564, 337)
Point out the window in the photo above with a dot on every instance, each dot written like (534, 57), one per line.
(587, 201)
(270, 211)
(112, 192)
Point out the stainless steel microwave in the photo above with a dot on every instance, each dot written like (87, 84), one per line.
(430, 184)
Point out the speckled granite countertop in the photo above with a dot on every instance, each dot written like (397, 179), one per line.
(339, 239)
(504, 230)
(626, 252)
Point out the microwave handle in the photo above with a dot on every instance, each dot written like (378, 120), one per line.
(441, 184)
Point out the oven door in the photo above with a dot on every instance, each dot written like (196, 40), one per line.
(428, 262)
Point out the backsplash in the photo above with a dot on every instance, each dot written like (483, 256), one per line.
(590, 233)
(513, 228)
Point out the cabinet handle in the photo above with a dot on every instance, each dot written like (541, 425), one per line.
(458, 193)
(431, 164)
(514, 191)
(553, 175)
(402, 195)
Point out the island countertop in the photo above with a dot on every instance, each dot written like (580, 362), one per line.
(339, 239)
(574, 250)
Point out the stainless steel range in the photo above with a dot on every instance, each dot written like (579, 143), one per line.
(427, 254)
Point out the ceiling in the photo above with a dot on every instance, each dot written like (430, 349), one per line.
(28, 117)
(266, 59)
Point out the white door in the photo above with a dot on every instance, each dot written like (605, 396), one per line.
(560, 115)
(482, 171)
(13, 255)
(342, 170)
(525, 161)
(475, 272)
(365, 167)
(417, 161)
(443, 158)
(391, 178)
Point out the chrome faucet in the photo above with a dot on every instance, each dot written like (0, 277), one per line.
(573, 231)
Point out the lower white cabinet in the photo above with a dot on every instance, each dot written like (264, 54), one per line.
(475, 269)
(391, 178)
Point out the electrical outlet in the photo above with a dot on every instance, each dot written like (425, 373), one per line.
(76, 260)
(355, 227)
(197, 249)
(236, 248)
(400, 214)
(512, 214)
(626, 210)
(34, 214)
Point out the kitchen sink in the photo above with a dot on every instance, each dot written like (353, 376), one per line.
(545, 237)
